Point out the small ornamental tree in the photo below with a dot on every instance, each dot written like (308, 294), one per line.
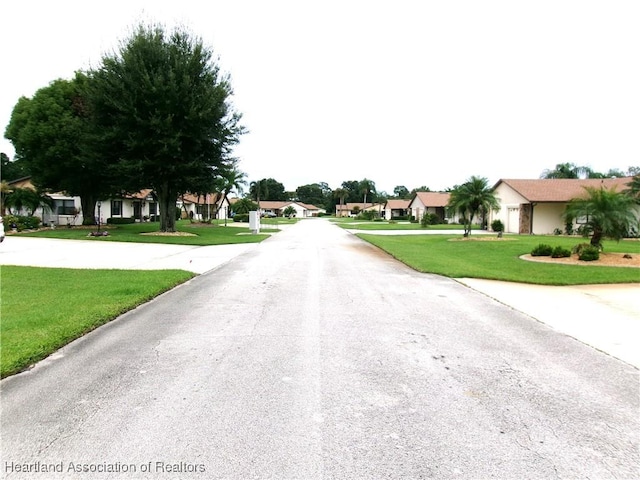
(607, 213)
(472, 198)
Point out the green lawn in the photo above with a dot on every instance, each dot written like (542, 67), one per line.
(45, 308)
(203, 234)
(353, 224)
(495, 259)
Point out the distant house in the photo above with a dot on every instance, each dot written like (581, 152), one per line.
(277, 208)
(353, 209)
(66, 209)
(396, 208)
(537, 206)
(203, 207)
(141, 206)
(429, 202)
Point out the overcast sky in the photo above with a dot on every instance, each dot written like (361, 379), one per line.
(401, 92)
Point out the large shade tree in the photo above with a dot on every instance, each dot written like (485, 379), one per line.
(163, 115)
(606, 213)
(318, 194)
(12, 170)
(474, 197)
(51, 133)
(267, 189)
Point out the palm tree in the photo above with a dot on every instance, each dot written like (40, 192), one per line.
(232, 179)
(27, 199)
(366, 187)
(567, 170)
(634, 188)
(341, 194)
(608, 213)
(245, 205)
(5, 190)
(473, 197)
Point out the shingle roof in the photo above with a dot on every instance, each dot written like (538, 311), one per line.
(273, 205)
(398, 204)
(433, 199)
(561, 189)
(202, 199)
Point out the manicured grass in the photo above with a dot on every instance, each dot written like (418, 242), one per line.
(45, 308)
(495, 259)
(352, 224)
(204, 234)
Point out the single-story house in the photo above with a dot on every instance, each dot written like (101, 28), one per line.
(141, 206)
(66, 209)
(537, 206)
(395, 208)
(429, 202)
(353, 209)
(277, 208)
(202, 207)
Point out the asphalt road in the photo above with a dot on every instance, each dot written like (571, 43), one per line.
(314, 355)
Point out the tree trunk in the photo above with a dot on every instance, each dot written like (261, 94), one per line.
(88, 205)
(596, 238)
(167, 206)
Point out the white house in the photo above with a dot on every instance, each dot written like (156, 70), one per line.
(537, 206)
(429, 202)
(395, 208)
(202, 207)
(277, 208)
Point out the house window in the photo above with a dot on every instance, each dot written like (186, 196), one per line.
(582, 220)
(153, 208)
(199, 209)
(65, 207)
(116, 208)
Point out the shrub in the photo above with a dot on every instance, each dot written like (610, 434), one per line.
(365, 215)
(542, 250)
(557, 231)
(21, 222)
(568, 227)
(589, 253)
(120, 220)
(497, 226)
(577, 249)
(241, 217)
(560, 252)
(429, 219)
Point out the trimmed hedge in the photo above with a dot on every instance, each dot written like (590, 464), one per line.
(120, 220)
(20, 222)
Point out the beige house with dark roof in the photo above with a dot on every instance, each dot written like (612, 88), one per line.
(353, 209)
(537, 206)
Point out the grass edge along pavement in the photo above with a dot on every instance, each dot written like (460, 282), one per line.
(148, 232)
(498, 259)
(44, 309)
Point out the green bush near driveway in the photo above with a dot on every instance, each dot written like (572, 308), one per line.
(498, 259)
(43, 309)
